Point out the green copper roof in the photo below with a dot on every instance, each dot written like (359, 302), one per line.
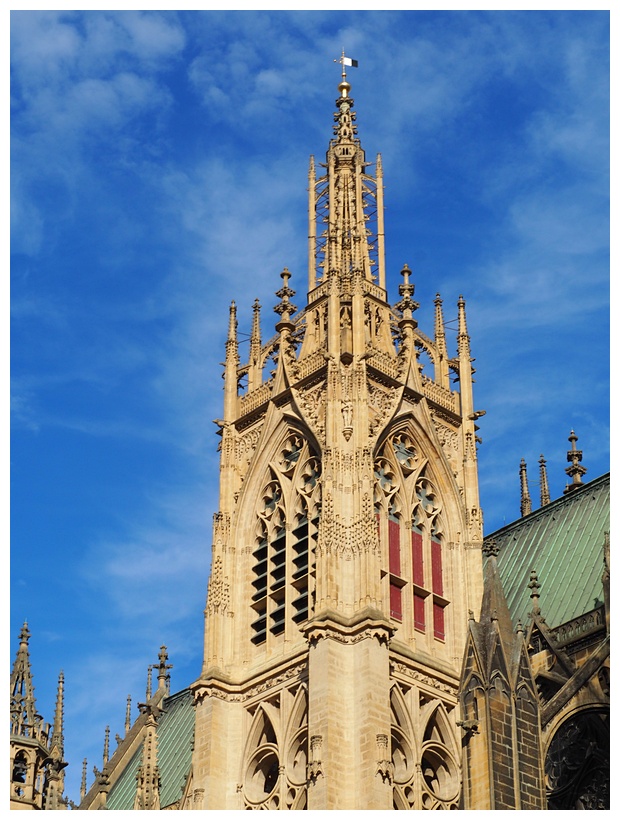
(563, 542)
(123, 792)
(175, 741)
(175, 737)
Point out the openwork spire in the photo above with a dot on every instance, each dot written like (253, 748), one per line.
(526, 501)
(346, 231)
(575, 471)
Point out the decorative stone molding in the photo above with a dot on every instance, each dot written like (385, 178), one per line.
(405, 670)
(236, 693)
(349, 633)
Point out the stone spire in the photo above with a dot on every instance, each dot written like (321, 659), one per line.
(255, 369)
(231, 366)
(350, 201)
(545, 498)
(58, 739)
(442, 371)
(83, 781)
(526, 501)
(128, 715)
(575, 471)
(24, 718)
(55, 761)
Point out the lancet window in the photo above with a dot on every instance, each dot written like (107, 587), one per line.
(408, 516)
(285, 542)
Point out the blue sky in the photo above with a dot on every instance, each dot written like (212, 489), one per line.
(158, 170)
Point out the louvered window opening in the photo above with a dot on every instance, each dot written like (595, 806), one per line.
(283, 582)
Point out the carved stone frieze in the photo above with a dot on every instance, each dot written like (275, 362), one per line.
(347, 636)
(407, 671)
(237, 694)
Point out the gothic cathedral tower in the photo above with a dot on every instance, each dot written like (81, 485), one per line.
(347, 546)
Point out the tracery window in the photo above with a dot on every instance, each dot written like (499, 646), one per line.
(411, 535)
(276, 756)
(577, 765)
(285, 542)
(425, 769)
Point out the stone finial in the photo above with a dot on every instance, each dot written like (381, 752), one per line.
(285, 308)
(407, 305)
(128, 715)
(526, 501)
(163, 676)
(575, 471)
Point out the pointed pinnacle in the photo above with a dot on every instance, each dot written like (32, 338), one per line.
(544, 485)
(526, 501)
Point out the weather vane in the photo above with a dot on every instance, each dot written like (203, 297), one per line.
(346, 61)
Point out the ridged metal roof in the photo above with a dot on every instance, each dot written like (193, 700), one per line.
(563, 542)
(175, 740)
(123, 792)
(175, 737)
